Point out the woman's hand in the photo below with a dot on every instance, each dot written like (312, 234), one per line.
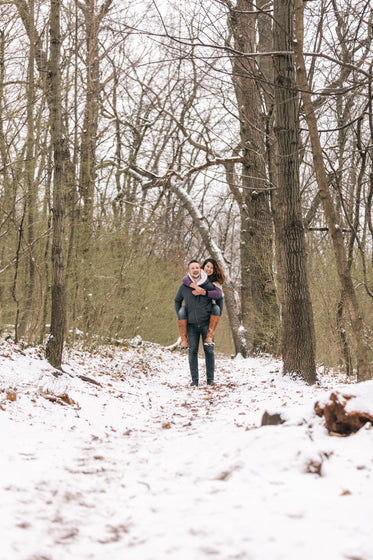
(198, 291)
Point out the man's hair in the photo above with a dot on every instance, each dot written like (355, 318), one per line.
(193, 261)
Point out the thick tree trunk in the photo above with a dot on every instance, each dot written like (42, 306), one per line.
(364, 371)
(298, 340)
(57, 331)
(260, 313)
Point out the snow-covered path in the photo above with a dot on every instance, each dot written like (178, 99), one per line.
(144, 467)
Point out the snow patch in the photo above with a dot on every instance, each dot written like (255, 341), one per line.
(142, 466)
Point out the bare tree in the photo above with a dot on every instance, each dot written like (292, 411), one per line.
(30, 165)
(55, 342)
(298, 339)
(253, 197)
(330, 214)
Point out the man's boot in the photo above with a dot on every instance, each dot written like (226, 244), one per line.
(214, 320)
(182, 324)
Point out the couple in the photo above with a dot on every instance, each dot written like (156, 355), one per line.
(203, 305)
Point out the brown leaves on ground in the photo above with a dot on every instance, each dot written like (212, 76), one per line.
(337, 420)
(314, 467)
(11, 395)
(62, 399)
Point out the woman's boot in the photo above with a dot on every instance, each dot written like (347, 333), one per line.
(183, 330)
(214, 320)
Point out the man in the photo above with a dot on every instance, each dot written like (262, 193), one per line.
(198, 310)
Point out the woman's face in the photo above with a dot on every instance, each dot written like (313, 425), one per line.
(209, 268)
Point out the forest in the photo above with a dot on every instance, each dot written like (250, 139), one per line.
(135, 136)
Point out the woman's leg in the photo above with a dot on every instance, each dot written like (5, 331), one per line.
(182, 325)
(214, 320)
(182, 314)
(209, 357)
(215, 310)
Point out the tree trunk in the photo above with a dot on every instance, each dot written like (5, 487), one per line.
(364, 372)
(260, 313)
(30, 187)
(93, 16)
(298, 340)
(58, 315)
(265, 44)
(90, 123)
(343, 337)
(8, 195)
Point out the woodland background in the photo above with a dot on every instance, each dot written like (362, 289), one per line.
(135, 136)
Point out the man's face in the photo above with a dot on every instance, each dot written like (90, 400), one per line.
(195, 270)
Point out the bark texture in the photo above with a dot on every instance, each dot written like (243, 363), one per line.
(58, 313)
(298, 341)
(260, 312)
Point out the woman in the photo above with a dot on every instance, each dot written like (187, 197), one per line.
(216, 275)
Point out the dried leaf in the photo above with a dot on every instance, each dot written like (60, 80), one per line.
(62, 399)
(224, 475)
(314, 467)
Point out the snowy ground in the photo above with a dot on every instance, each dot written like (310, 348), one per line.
(144, 467)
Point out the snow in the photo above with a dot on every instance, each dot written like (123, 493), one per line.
(144, 467)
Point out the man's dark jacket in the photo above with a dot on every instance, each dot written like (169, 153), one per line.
(198, 308)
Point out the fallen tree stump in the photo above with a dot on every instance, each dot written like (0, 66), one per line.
(272, 419)
(338, 421)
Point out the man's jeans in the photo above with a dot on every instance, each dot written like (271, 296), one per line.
(194, 334)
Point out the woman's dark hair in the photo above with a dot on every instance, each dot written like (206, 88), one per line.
(218, 274)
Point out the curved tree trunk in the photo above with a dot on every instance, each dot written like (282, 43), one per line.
(238, 330)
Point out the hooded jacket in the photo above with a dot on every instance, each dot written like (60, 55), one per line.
(198, 307)
(216, 294)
